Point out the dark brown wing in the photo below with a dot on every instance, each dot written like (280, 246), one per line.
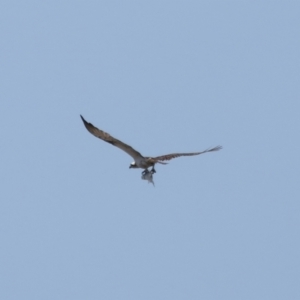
(109, 139)
(174, 155)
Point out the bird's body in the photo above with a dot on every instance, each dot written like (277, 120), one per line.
(140, 161)
(145, 163)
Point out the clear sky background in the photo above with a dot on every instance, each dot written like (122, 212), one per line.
(163, 76)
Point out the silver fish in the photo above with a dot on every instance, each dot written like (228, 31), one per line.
(148, 176)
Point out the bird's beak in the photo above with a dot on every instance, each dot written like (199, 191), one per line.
(130, 166)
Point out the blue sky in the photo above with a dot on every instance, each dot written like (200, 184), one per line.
(163, 76)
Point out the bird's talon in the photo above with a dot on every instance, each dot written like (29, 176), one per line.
(145, 172)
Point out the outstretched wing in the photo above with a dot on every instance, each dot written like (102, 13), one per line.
(109, 139)
(174, 155)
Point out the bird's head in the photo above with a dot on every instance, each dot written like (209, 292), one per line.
(133, 165)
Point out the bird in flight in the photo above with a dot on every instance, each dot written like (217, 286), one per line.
(140, 161)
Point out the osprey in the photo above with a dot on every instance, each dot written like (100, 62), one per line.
(140, 161)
